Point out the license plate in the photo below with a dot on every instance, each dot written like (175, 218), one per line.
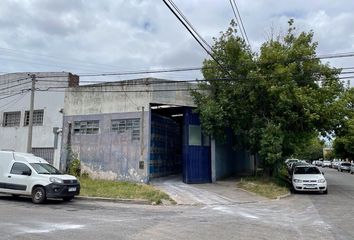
(72, 189)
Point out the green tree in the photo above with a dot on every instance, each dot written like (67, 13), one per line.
(344, 143)
(272, 101)
(311, 150)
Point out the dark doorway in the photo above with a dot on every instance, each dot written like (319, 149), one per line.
(166, 140)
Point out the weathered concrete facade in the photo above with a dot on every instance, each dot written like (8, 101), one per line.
(15, 101)
(110, 127)
(109, 154)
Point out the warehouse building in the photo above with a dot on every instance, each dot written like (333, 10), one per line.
(47, 115)
(140, 129)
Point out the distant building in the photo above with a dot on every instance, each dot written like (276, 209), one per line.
(47, 115)
(140, 129)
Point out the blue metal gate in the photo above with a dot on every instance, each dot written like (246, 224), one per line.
(196, 151)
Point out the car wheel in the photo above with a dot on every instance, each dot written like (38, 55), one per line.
(67, 199)
(341, 170)
(351, 172)
(326, 191)
(38, 195)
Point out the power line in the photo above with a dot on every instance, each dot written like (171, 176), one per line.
(243, 27)
(192, 33)
(236, 19)
(13, 80)
(20, 84)
(189, 23)
(23, 94)
(123, 83)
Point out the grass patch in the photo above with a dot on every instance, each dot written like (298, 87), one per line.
(270, 188)
(121, 190)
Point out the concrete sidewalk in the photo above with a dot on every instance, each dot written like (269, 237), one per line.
(220, 193)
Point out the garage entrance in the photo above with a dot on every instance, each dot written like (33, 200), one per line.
(177, 145)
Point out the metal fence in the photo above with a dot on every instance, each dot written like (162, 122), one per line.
(45, 153)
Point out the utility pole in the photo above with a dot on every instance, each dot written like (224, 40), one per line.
(30, 122)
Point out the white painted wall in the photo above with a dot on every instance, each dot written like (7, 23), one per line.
(51, 102)
(126, 96)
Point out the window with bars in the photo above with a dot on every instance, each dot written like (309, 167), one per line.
(11, 119)
(123, 125)
(86, 127)
(37, 118)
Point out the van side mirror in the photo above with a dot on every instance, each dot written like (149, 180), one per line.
(27, 172)
(322, 173)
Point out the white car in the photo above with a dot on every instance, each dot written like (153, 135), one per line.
(28, 175)
(309, 178)
(326, 163)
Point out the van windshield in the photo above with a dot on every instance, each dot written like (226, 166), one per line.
(44, 168)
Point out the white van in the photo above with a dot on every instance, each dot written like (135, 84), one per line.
(28, 175)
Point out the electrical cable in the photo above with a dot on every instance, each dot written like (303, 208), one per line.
(14, 101)
(236, 19)
(243, 27)
(191, 32)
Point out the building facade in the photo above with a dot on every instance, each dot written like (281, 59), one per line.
(140, 129)
(47, 115)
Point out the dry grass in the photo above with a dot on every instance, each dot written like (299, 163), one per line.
(121, 190)
(264, 187)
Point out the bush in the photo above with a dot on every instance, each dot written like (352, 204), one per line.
(75, 168)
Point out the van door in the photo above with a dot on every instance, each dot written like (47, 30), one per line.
(19, 178)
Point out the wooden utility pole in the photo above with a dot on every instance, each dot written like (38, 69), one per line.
(30, 122)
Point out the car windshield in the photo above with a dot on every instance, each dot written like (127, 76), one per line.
(44, 168)
(346, 164)
(307, 170)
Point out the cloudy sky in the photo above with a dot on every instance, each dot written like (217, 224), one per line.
(95, 36)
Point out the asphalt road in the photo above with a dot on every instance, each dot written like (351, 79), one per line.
(337, 209)
(301, 216)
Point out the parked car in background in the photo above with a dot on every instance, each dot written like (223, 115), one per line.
(319, 163)
(352, 169)
(308, 178)
(288, 162)
(326, 163)
(344, 166)
(335, 164)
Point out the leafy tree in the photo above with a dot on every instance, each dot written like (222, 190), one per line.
(311, 150)
(344, 143)
(272, 101)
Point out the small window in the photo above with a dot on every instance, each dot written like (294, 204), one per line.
(19, 168)
(37, 118)
(12, 119)
(123, 125)
(86, 127)
(195, 133)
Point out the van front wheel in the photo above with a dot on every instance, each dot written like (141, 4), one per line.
(38, 195)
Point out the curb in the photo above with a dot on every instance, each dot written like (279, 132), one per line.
(284, 196)
(115, 200)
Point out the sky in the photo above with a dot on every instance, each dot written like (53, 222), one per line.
(97, 36)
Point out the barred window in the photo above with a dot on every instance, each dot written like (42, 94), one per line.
(86, 127)
(37, 118)
(123, 125)
(11, 119)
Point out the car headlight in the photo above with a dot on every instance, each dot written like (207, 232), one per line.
(55, 180)
(322, 180)
(297, 181)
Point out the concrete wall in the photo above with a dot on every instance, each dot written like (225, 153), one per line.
(126, 96)
(51, 102)
(109, 155)
(229, 162)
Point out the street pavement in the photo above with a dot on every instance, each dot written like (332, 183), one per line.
(300, 216)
